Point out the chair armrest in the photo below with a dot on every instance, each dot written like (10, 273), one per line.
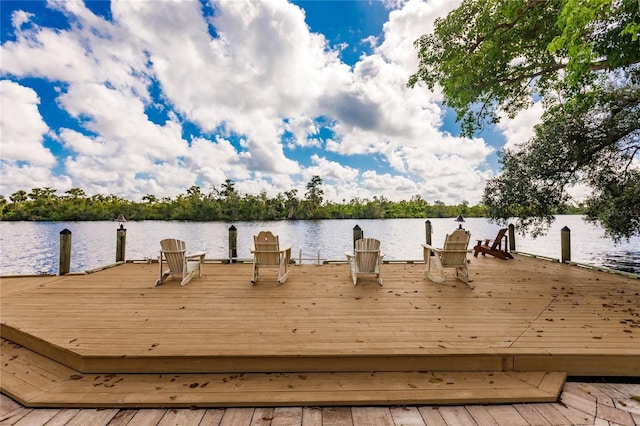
(199, 254)
(286, 252)
(432, 248)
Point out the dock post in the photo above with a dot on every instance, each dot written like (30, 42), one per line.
(65, 252)
(512, 237)
(357, 234)
(121, 243)
(428, 231)
(233, 244)
(565, 240)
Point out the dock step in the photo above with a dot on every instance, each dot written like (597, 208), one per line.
(37, 381)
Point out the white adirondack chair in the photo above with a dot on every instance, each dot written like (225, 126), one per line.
(366, 259)
(173, 252)
(268, 254)
(452, 256)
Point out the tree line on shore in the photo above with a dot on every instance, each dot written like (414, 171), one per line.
(223, 203)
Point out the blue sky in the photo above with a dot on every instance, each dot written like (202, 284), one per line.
(151, 97)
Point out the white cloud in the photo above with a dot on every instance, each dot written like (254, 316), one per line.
(129, 149)
(120, 119)
(252, 69)
(407, 24)
(15, 177)
(384, 117)
(519, 130)
(303, 129)
(83, 144)
(22, 129)
(330, 170)
(92, 50)
(25, 162)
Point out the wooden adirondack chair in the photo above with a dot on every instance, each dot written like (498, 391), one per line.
(452, 256)
(267, 254)
(498, 247)
(173, 252)
(366, 259)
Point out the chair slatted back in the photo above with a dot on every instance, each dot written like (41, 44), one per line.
(497, 243)
(455, 248)
(174, 252)
(266, 248)
(367, 254)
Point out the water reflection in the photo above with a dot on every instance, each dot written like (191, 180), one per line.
(33, 247)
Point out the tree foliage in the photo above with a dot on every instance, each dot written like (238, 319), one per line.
(580, 57)
(313, 197)
(591, 140)
(490, 56)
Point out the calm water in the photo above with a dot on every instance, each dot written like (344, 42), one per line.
(33, 247)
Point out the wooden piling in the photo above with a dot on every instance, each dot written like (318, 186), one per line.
(428, 231)
(233, 244)
(121, 243)
(358, 233)
(512, 237)
(565, 241)
(65, 252)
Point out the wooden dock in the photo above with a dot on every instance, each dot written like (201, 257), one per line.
(110, 339)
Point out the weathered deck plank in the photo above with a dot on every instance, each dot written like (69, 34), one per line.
(568, 412)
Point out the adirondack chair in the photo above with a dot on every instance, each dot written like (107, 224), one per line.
(498, 247)
(366, 259)
(268, 254)
(173, 252)
(452, 256)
